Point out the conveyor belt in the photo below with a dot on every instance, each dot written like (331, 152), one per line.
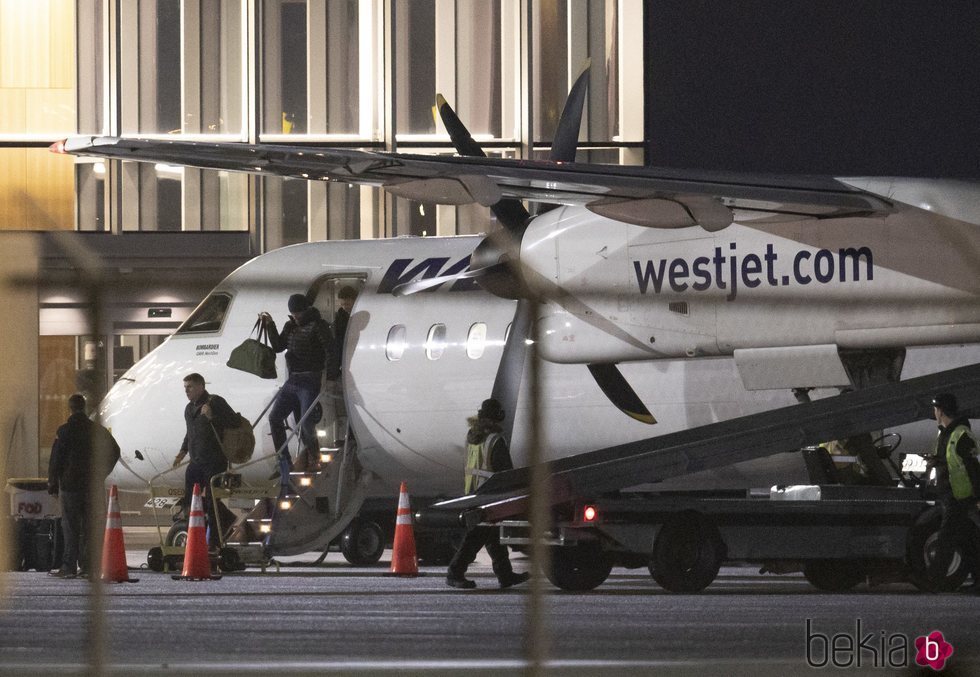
(715, 445)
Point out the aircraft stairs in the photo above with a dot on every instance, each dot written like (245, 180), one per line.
(296, 510)
(506, 494)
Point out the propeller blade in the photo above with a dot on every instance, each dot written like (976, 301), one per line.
(409, 288)
(510, 373)
(565, 143)
(614, 385)
(566, 134)
(509, 212)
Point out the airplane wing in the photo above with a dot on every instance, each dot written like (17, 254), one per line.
(647, 196)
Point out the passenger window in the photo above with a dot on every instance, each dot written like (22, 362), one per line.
(435, 343)
(208, 316)
(396, 343)
(476, 341)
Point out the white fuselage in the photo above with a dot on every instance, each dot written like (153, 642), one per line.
(409, 414)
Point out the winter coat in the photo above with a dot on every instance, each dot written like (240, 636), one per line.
(201, 440)
(308, 342)
(71, 454)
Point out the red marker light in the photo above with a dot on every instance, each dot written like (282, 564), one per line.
(590, 513)
(58, 147)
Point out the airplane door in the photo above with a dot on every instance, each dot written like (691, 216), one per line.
(335, 296)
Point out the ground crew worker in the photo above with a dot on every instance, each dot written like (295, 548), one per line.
(486, 453)
(958, 486)
(69, 470)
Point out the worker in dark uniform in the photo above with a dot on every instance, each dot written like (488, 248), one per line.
(68, 477)
(486, 453)
(309, 346)
(958, 487)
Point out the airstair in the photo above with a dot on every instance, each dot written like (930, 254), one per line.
(294, 512)
(506, 494)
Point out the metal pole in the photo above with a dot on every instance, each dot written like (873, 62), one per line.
(538, 639)
(97, 631)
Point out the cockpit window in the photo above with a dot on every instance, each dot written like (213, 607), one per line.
(208, 316)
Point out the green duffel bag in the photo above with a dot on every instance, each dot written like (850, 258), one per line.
(255, 356)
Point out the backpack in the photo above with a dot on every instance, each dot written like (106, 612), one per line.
(238, 441)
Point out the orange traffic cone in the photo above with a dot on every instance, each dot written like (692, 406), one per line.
(114, 569)
(197, 567)
(403, 559)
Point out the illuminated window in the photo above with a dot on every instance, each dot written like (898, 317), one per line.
(435, 343)
(183, 67)
(476, 341)
(610, 34)
(321, 65)
(396, 343)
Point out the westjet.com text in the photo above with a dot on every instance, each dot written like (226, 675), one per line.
(730, 270)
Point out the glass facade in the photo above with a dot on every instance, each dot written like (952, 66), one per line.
(300, 71)
(357, 73)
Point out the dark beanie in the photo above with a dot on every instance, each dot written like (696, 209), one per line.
(298, 303)
(946, 402)
(491, 409)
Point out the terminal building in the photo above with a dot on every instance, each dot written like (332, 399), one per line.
(348, 73)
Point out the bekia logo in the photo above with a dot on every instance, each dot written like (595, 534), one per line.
(932, 650)
(871, 649)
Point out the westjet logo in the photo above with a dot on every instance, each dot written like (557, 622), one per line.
(408, 270)
(728, 270)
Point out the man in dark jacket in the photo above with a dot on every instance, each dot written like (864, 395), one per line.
(206, 417)
(309, 346)
(486, 453)
(69, 471)
(958, 487)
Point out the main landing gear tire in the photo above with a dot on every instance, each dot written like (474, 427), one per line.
(833, 575)
(362, 543)
(921, 549)
(687, 553)
(177, 536)
(578, 568)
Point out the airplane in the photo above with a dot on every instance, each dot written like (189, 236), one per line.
(658, 300)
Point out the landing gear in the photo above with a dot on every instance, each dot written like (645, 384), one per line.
(921, 550)
(177, 536)
(362, 542)
(687, 553)
(579, 567)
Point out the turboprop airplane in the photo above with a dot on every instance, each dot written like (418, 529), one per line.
(662, 300)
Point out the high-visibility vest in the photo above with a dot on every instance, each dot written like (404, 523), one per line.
(959, 479)
(478, 463)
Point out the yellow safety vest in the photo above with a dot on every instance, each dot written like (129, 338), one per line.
(959, 479)
(478, 463)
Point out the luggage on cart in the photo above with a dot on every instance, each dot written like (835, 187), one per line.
(39, 544)
(36, 529)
